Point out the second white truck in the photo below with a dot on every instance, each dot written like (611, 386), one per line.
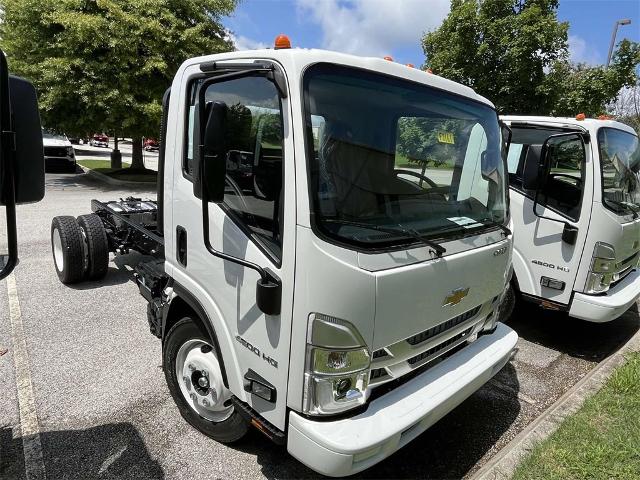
(306, 278)
(575, 203)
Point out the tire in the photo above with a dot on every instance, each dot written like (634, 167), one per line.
(67, 248)
(188, 350)
(97, 245)
(507, 306)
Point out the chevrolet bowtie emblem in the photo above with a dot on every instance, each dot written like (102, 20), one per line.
(455, 297)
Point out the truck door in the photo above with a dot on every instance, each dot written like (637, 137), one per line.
(545, 265)
(255, 223)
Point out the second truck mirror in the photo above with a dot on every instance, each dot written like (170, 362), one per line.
(213, 151)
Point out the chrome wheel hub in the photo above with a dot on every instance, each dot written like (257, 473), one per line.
(200, 379)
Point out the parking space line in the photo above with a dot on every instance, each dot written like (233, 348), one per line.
(31, 444)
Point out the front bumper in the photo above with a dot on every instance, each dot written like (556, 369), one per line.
(607, 307)
(344, 447)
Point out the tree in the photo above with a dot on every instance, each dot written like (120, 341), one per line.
(515, 53)
(105, 64)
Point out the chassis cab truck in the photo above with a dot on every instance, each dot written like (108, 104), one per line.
(575, 203)
(305, 277)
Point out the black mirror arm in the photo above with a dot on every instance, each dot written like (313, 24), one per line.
(265, 276)
(10, 261)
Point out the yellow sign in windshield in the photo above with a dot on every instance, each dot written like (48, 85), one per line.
(446, 137)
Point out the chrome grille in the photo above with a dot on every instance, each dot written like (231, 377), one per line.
(433, 331)
(398, 359)
(437, 348)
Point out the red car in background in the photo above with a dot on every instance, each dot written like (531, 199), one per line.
(151, 145)
(99, 140)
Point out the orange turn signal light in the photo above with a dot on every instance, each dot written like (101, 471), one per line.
(429, 70)
(410, 65)
(282, 41)
(604, 117)
(388, 58)
(581, 116)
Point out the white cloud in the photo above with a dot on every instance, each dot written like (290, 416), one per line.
(581, 52)
(373, 27)
(245, 43)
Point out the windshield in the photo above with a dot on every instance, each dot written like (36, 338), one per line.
(401, 155)
(52, 135)
(620, 164)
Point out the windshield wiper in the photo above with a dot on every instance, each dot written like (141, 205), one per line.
(489, 221)
(624, 205)
(406, 232)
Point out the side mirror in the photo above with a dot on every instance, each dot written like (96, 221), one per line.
(534, 168)
(21, 154)
(211, 164)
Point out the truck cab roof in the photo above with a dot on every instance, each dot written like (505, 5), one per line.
(572, 122)
(299, 59)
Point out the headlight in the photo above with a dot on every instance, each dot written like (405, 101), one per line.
(603, 265)
(337, 369)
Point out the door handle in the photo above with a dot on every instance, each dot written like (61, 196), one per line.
(181, 245)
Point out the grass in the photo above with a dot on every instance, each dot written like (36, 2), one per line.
(600, 441)
(104, 167)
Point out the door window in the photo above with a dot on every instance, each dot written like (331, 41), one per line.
(253, 196)
(564, 187)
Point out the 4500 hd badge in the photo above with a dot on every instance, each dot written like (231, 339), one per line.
(256, 350)
(550, 265)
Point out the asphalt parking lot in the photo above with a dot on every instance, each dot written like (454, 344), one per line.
(103, 409)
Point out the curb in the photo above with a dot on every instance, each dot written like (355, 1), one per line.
(112, 181)
(503, 465)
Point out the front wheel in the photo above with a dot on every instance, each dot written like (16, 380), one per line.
(194, 377)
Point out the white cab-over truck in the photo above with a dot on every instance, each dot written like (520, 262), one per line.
(299, 280)
(575, 206)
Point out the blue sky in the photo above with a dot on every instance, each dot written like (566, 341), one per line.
(394, 27)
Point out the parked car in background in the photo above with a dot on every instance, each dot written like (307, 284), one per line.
(58, 152)
(78, 140)
(151, 145)
(99, 140)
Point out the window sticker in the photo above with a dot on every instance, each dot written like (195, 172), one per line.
(465, 222)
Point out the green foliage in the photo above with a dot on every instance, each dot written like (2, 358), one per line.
(418, 140)
(515, 53)
(580, 88)
(105, 64)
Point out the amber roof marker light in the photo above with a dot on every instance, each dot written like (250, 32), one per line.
(282, 42)
(580, 116)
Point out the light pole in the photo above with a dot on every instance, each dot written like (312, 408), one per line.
(624, 21)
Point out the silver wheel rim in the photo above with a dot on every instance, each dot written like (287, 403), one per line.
(57, 250)
(200, 379)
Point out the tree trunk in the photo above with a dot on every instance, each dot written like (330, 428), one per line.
(137, 162)
(116, 156)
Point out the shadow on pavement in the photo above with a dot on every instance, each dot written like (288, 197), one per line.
(449, 449)
(107, 451)
(577, 338)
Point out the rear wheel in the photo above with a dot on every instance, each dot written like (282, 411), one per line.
(68, 250)
(194, 378)
(95, 236)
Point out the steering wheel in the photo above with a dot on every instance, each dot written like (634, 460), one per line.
(431, 183)
(578, 180)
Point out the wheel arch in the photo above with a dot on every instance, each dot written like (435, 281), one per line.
(185, 304)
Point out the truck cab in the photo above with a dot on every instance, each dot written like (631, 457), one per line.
(331, 247)
(575, 203)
